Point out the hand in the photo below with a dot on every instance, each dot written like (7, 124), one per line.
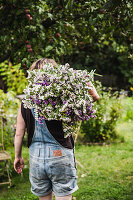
(18, 165)
(93, 92)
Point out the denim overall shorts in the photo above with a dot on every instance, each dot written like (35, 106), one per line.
(52, 166)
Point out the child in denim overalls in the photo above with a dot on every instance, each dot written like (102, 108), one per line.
(52, 166)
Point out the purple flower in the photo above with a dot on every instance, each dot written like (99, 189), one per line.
(45, 83)
(54, 103)
(45, 101)
(80, 112)
(87, 117)
(49, 100)
(64, 102)
(87, 101)
(93, 111)
(67, 113)
(93, 116)
(37, 101)
(89, 107)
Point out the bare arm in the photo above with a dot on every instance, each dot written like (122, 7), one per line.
(93, 92)
(20, 130)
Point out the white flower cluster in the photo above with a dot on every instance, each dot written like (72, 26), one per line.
(59, 92)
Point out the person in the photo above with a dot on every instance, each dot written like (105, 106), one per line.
(51, 156)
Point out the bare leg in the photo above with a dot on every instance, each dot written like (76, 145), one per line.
(68, 197)
(48, 197)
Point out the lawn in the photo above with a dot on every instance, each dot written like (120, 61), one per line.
(107, 172)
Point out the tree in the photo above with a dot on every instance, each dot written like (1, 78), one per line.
(92, 34)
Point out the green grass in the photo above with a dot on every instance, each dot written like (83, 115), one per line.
(107, 172)
(127, 109)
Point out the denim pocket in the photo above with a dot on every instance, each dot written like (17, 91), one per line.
(62, 170)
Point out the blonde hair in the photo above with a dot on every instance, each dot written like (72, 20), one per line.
(38, 64)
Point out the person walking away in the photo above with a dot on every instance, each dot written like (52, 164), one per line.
(51, 156)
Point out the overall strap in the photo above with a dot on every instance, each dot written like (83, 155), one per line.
(41, 133)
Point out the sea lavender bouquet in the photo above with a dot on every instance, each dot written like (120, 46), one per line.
(60, 93)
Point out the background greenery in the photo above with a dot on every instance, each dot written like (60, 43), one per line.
(9, 105)
(86, 34)
(103, 128)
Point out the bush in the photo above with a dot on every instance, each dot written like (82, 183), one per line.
(8, 111)
(127, 109)
(108, 112)
(13, 76)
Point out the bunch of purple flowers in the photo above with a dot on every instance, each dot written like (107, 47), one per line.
(60, 93)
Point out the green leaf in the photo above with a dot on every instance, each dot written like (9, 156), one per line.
(48, 48)
(50, 16)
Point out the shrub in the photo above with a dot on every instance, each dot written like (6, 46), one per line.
(127, 109)
(108, 112)
(8, 111)
(13, 76)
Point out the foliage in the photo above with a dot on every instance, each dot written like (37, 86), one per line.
(13, 76)
(83, 33)
(127, 109)
(8, 111)
(103, 128)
